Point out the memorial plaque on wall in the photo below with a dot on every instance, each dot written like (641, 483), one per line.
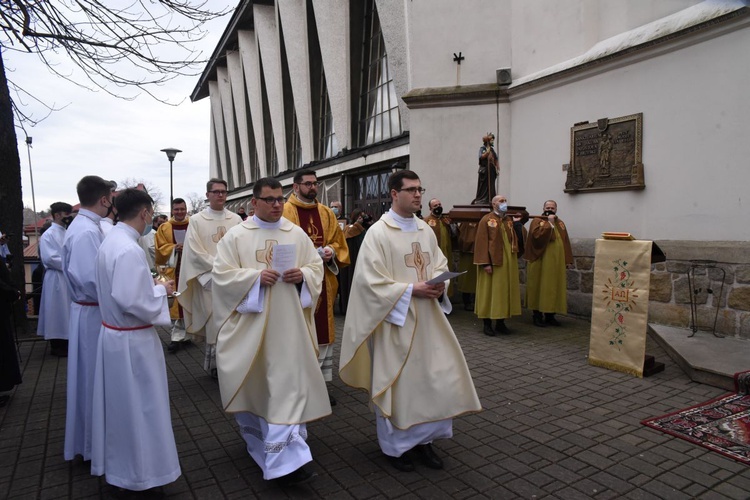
(606, 155)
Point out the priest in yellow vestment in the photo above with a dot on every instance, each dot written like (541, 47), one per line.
(168, 243)
(498, 244)
(267, 351)
(549, 254)
(321, 225)
(397, 342)
(204, 232)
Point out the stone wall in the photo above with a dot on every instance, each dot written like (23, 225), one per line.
(670, 291)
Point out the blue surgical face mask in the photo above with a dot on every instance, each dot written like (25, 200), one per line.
(335, 211)
(147, 229)
(502, 207)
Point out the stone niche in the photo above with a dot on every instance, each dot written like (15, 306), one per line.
(606, 155)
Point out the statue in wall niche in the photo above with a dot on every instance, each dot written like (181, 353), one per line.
(489, 167)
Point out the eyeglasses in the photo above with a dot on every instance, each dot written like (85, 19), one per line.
(273, 201)
(413, 190)
(218, 192)
(309, 184)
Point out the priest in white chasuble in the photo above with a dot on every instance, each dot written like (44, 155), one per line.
(397, 343)
(204, 232)
(132, 442)
(321, 225)
(267, 350)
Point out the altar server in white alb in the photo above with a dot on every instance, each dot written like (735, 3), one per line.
(267, 349)
(397, 343)
(54, 308)
(82, 240)
(133, 444)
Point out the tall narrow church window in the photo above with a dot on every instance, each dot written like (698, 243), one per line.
(291, 125)
(379, 117)
(272, 159)
(326, 144)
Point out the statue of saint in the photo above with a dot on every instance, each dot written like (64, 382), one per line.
(488, 170)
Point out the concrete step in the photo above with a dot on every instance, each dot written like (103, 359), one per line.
(704, 358)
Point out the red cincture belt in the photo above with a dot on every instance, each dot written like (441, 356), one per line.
(126, 328)
(86, 303)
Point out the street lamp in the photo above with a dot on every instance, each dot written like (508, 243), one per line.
(171, 153)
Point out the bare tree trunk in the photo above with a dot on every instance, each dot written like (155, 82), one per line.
(11, 197)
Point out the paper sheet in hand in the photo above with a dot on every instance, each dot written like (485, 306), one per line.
(444, 277)
(284, 257)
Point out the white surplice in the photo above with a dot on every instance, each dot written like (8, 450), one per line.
(132, 443)
(147, 244)
(54, 307)
(82, 241)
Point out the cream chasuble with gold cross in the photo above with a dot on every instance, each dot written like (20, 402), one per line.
(204, 232)
(415, 373)
(268, 361)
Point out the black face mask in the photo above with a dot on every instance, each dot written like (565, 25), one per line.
(67, 220)
(437, 211)
(548, 212)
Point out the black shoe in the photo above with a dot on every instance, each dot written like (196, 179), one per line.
(173, 347)
(428, 457)
(488, 328)
(539, 321)
(331, 399)
(501, 328)
(300, 476)
(402, 463)
(550, 320)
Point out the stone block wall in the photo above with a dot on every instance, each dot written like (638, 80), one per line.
(669, 294)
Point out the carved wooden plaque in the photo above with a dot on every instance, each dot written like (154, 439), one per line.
(606, 155)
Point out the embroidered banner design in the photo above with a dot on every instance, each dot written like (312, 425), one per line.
(619, 319)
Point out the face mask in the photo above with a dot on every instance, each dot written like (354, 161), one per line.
(437, 211)
(335, 211)
(146, 229)
(502, 207)
(548, 212)
(67, 220)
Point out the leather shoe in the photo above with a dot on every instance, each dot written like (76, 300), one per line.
(428, 456)
(538, 321)
(501, 328)
(550, 320)
(173, 347)
(402, 463)
(488, 328)
(331, 399)
(300, 476)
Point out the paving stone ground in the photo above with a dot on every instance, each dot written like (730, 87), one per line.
(553, 427)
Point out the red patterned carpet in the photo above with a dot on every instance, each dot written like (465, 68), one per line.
(721, 425)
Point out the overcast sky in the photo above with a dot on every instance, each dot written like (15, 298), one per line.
(116, 139)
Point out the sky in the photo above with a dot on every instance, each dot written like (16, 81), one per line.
(97, 134)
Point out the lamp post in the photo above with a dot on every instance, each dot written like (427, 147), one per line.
(171, 153)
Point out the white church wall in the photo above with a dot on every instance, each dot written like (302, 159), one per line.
(695, 151)
(479, 29)
(546, 33)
